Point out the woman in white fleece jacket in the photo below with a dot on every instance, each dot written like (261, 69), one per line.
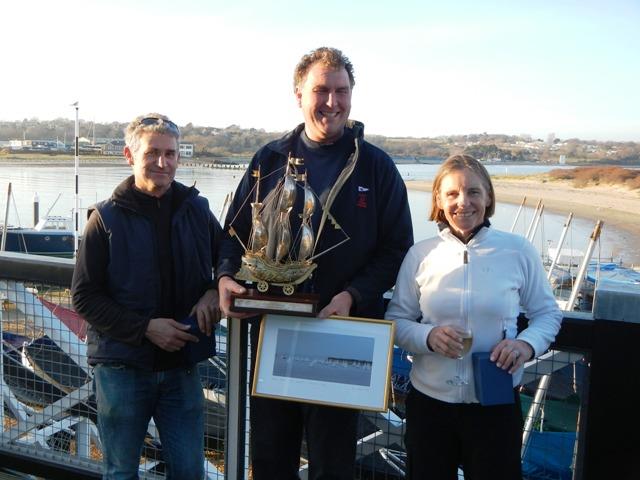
(486, 276)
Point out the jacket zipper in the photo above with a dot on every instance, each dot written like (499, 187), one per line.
(465, 318)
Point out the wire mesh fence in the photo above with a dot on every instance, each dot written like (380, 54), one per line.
(49, 409)
(553, 399)
(46, 385)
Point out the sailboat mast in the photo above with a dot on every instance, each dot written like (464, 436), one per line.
(5, 234)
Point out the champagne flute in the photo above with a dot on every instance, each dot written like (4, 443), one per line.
(467, 340)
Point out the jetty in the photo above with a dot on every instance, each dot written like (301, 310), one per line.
(219, 165)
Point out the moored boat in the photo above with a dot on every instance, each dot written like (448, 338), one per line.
(52, 236)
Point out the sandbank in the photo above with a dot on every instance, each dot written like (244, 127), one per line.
(618, 207)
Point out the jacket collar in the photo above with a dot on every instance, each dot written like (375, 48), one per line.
(445, 229)
(124, 196)
(285, 145)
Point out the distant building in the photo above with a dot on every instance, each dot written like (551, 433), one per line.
(562, 160)
(44, 145)
(186, 150)
(36, 145)
(88, 146)
(113, 147)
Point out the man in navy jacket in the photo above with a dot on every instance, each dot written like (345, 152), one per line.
(145, 263)
(372, 210)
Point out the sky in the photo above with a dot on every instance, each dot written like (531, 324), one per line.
(423, 68)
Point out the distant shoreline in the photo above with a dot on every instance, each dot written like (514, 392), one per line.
(60, 160)
(65, 159)
(616, 206)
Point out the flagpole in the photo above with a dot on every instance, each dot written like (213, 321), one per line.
(76, 197)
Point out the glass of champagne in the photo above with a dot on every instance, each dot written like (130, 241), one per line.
(466, 334)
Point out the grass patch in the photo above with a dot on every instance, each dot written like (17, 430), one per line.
(585, 176)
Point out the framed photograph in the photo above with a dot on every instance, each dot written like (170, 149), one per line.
(339, 361)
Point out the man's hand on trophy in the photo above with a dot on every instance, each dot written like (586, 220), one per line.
(226, 287)
(339, 305)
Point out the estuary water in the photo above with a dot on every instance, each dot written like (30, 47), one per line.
(55, 186)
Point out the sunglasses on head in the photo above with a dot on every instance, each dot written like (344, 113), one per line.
(159, 121)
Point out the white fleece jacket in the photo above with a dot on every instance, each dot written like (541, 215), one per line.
(504, 275)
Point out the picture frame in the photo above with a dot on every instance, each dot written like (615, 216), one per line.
(337, 361)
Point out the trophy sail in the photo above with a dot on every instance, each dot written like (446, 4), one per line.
(287, 200)
(309, 206)
(307, 237)
(284, 237)
(259, 234)
(288, 194)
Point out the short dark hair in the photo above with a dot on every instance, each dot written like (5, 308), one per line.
(330, 57)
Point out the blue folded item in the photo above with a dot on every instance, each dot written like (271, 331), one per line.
(494, 386)
(195, 352)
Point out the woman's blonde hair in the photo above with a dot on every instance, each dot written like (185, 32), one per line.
(456, 163)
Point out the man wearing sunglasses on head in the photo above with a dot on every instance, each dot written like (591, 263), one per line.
(145, 263)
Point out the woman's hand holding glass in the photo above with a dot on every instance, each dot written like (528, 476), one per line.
(449, 340)
(453, 341)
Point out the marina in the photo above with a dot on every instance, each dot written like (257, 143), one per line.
(97, 182)
(46, 369)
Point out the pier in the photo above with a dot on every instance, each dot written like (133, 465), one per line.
(213, 164)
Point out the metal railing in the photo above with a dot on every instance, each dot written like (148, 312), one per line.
(49, 415)
(574, 397)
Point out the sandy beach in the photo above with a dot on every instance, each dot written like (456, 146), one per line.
(617, 207)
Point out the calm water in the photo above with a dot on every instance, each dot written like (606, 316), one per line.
(317, 368)
(97, 183)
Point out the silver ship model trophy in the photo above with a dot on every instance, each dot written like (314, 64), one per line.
(269, 259)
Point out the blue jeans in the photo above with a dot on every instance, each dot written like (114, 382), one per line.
(128, 398)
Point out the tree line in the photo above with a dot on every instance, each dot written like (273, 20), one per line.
(235, 141)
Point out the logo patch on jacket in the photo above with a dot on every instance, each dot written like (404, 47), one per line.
(361, 202)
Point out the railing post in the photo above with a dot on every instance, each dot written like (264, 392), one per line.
(612, 448)
(236, 399)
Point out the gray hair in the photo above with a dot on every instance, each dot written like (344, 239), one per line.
(149, 123)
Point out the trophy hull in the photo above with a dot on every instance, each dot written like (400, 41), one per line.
(258, 268)
(265, 272)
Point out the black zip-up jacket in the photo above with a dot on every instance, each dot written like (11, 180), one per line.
(117, 281)
(371, 208)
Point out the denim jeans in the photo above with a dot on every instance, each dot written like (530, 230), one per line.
(128, 398)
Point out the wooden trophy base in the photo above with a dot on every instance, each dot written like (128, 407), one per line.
(301, 304)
